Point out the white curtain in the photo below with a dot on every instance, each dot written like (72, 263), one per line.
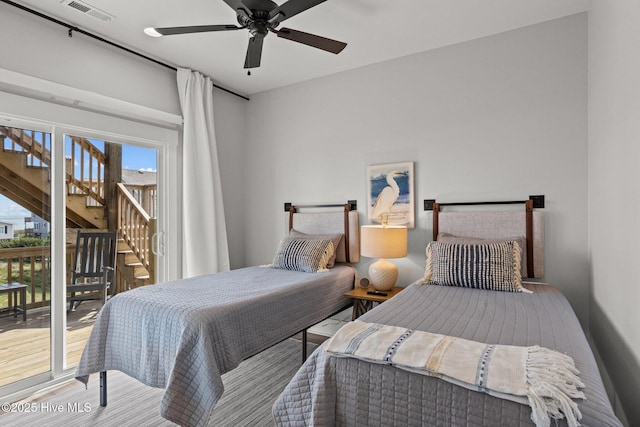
(204, 242)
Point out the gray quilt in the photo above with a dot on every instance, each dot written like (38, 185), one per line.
(184, 335)
(332, 391)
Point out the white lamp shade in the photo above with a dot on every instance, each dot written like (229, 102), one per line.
(378, 241)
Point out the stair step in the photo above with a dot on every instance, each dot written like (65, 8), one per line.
(139, 271)
(123, 248)
(131, 259)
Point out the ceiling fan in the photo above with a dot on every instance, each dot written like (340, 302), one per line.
(260, 17)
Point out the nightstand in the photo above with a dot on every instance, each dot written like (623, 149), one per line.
(363, 302)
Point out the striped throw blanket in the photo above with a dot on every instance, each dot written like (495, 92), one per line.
(544, 379)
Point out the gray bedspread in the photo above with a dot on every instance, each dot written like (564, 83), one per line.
(184, 335)
(332, 391)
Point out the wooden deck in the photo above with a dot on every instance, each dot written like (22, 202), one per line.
(25, 346)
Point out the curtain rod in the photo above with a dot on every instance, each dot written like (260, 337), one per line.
(72, 28)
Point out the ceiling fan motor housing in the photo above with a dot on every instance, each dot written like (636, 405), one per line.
(258, 25)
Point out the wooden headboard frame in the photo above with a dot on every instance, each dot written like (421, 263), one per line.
(533, 201)
(351, 205)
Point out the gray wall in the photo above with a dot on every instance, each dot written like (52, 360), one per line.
(501, 117)
(39, 48)
(614, 208)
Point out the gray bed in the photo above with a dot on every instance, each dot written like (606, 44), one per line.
(338, 391)
(331, 391)
(183, 335)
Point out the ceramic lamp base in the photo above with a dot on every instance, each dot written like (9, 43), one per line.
(383, 275)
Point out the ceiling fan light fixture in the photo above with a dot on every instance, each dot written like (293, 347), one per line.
(152, 32)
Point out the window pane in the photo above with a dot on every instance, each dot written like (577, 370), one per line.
(25, 252)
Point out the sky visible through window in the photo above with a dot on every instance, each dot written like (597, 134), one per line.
(134, 158)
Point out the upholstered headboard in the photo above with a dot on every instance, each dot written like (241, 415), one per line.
(308, 219)
(527, 224)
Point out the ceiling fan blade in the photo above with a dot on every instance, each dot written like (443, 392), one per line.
(293, 7)
(330, 45)
(254, 53)
(169, 31)
(237, 4)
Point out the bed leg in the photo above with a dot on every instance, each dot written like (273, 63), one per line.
(304, 345)
(103, 388)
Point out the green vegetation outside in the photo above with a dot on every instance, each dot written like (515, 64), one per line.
(23, 242)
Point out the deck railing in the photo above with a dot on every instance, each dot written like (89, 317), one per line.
(136, 228)
(87, 178)
(30, 266)
(26, 141)
(146, 196)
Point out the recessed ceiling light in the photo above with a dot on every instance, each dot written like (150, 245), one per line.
(150, 31)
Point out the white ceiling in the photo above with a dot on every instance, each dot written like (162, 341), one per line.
(375, 30)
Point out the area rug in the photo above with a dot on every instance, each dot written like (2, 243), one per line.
(250, 391)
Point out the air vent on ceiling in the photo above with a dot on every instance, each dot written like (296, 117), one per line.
(88, 9)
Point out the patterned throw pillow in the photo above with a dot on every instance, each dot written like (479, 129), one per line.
(493, 266)
(522, 241)
(299, 254)
(335, 238)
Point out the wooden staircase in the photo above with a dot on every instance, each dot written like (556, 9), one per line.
(135, 229)
(25, 178)
(132, 271)
(25, 173)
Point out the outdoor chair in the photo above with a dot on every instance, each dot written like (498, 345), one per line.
(93, 268)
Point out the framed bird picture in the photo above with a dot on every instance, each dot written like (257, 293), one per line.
(390, 198)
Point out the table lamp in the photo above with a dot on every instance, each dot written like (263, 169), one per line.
(383, 241)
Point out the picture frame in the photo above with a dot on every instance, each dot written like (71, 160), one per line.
(390, 194)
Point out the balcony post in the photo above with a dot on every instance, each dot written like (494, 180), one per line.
(113, 175)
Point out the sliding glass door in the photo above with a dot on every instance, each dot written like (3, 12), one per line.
(25, 252)
(54, 182)
(110, 187)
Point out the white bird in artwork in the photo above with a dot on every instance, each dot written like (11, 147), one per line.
(386, 198)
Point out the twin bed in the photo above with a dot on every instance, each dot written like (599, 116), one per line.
(183, 335)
